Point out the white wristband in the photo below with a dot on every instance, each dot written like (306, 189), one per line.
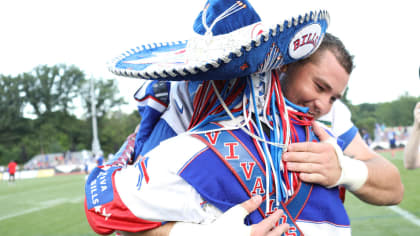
(230, 223)
(354, 173)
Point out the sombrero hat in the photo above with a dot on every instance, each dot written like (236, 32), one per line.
(229, 41)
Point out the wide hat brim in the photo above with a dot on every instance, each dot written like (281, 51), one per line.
(278, 45)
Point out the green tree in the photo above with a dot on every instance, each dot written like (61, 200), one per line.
(11, 146)
(11, 102)
(49, 89)
(398, 112)
(395, 113)
(106, 95)
(107, 98)
(51, 92)
(61, 132)
(116, 128)
(12, 124)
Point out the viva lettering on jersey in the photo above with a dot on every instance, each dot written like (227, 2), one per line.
(99, 186)
(250, 169)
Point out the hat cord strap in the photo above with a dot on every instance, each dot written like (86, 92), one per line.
(269, 165)
(240, 124)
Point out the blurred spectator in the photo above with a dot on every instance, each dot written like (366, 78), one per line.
(412, 150)
(100, 159)
(366, 137)
(392, 139)
(12, 170)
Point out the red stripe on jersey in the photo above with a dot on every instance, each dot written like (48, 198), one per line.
(115, 215)
(144, 170)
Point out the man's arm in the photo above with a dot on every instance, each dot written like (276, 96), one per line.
(411, 151)
(383, 185)
(319, 163)
(163, 230)
(230, 223)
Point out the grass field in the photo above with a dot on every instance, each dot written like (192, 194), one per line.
(54, 206)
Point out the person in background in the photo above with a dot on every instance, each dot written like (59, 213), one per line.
(12, 170)
(100, 159)
(86, 166)
(392, 139)
(412, 150)
(366, 136)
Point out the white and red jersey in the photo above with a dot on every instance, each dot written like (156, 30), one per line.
(195, 178)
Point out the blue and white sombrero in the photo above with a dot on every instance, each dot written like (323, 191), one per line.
(229, 41)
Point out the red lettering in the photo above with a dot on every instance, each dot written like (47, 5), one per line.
(303, 39)
(283, 219)
(213, 137)
(258, 185)
(272, 207)
(248, 168)
(291, 231)
(231, 151)
(296, 43)
(311, 38)
(244, 66)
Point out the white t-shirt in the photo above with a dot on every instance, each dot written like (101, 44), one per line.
(339, 120)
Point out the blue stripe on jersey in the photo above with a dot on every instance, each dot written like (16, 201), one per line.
(209, 174)
(161, 132)
(340, 142)
(214, 181)
(150, 121)
(150, 116)
(314, 210)
(348, 136)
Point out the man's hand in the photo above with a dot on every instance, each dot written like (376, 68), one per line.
(232, 223)
(268, 225)
(316, 162)
(229, 223)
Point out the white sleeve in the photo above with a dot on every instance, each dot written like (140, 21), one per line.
(342, 118)
(339, 118)
(153, 190)
(179, 113)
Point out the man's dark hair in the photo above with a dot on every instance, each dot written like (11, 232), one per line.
(334, 45)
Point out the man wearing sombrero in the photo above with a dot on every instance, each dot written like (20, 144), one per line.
(235, 144)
